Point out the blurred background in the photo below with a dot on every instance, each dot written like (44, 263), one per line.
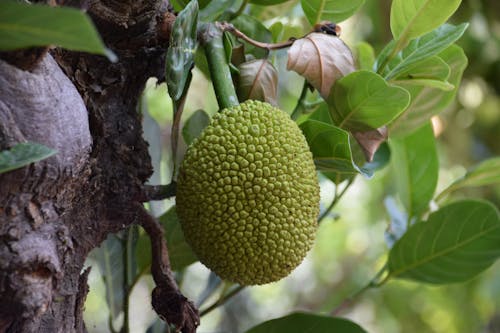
(350, 245)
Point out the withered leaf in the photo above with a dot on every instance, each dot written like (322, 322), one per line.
(321, 59)
(258, 80)
(369, 141)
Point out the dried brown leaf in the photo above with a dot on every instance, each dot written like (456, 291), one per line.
(371, 140)
(321, 59)
(258, 80)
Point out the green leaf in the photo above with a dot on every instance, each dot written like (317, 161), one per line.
(456, 243)
(331, 150)
(110, 260)
(413, 18)
(365, 56)
(253, 28)
(415, 168)
(362, 101)
(427, 101)
(422, 48)
(180, 54)
(300, 322)
(432, 72)
(23, 154)
(267, 2)
(214, 9)
(195, 125)
(329, 10)
(23, 25)
(179, 252)
(485, 173)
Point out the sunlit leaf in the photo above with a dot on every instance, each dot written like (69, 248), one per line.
(426, 101)
(258, 80)
(485, 173)
(329, 10)
(456, 243)
(180, 54)
(413, 18)
(421, 49)
(363, 101)
(300, 322)
(23, 25)
(322, 59)
(415, 167)
(23, 154)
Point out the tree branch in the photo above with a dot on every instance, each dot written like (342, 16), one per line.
(168, 302)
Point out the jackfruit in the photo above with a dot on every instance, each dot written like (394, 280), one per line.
(248, 194)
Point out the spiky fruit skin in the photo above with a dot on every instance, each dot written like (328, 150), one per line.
(248, 194)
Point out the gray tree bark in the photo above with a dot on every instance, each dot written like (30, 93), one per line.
(54, 212)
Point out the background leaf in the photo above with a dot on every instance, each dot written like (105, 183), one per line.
(362, 101)
(365, 56)
(253, 28)
(258, 80)
(415, 168)
(300, 322)
(422, 48)
(413, 18)
(321, 59)
(427, 101)
(456, 243)
(23, 25)
(329, 10)
(195, 124)
(180, 54)
(179, 252)
(23, 154)
(485, 173)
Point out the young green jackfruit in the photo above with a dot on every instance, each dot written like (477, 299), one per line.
(248, 194)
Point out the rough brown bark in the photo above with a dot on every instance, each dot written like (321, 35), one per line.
(53, 213)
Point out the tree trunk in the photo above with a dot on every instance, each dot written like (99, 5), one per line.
(54, 212)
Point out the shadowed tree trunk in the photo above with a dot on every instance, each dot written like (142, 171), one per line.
(54, 212)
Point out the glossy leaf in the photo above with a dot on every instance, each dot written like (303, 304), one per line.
(331, 150)
(427, 101)
(180, 54)
(485, 173)
(415, 168)
(194, 126)
(258, 80)
(329, 10)
(363, 101)
(23, 154)
(456, 243)
(179, 252)
(23, 25)
(421, 49)
(413, 18)
(321, 59)
(300, 322)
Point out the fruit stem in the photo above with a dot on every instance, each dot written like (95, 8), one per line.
(211, 39)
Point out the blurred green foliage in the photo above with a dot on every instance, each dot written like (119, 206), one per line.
(350, 244)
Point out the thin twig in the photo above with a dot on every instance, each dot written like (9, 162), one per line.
(222, 300)
(224, 26)
(374, 283)
(336, 199)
